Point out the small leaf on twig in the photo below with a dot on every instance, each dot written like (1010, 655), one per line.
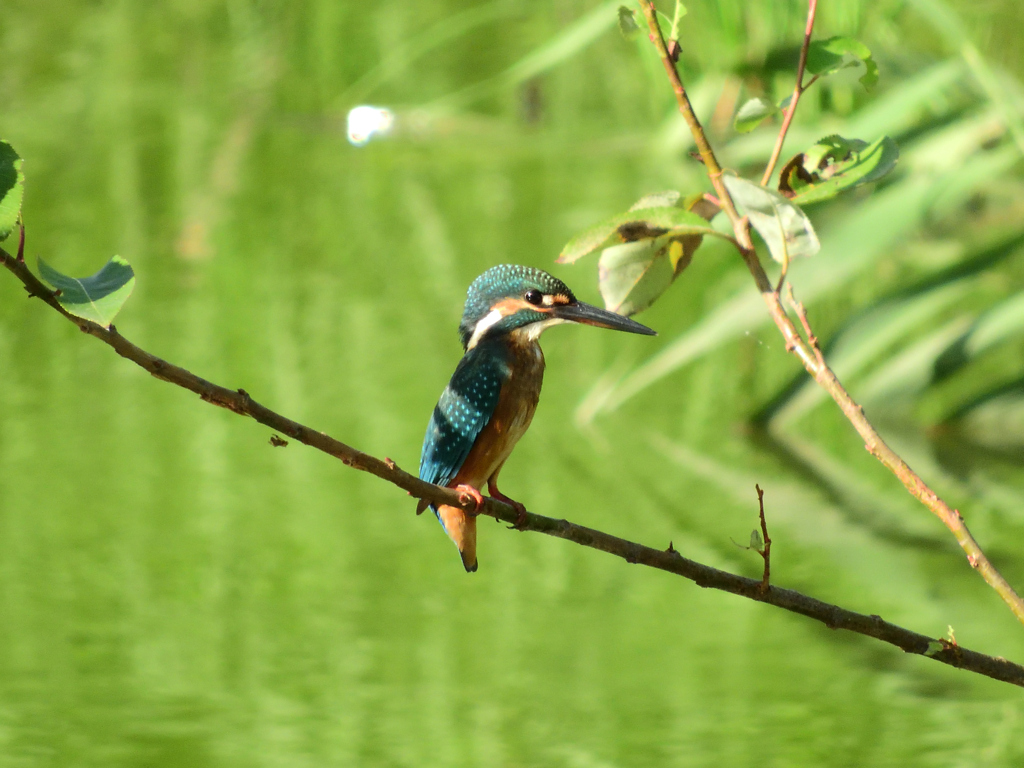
(12, 189)
(785, 229)
(756, 542)
(753, 113)
(827, 56)
(627, 23)
(835, 164)
(99, 297)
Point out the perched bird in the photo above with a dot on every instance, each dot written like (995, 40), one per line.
(489, 402)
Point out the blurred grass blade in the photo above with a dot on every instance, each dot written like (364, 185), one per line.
(560, 48)
(951, 27)
(866, 338)
(995, 421)
(440, 34)
(978, 173)
(911, 370)
(1001, 323)
(564, 45)
(12, 189)
(99, 297)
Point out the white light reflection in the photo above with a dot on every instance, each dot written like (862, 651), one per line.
(365, 122)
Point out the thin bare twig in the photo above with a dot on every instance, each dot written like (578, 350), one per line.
(801, 313)
(766, 548)
(239, 401)
(873, 442)
(798, 90)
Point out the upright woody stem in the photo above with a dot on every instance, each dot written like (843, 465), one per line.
(807, 351)
(798, 89)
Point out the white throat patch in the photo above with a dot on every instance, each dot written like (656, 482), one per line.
(529, 332)
(533, 331)
(483, 325)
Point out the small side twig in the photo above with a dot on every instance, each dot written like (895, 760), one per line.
(782, 274)
(801, 313)
(798, 90)
(766, 551)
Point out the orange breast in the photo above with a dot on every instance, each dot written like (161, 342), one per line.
(512, 416)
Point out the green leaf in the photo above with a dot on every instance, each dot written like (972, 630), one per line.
(785, 229)
(667, 199)
(627, 23)
(827, 56)
(12, 189)
(756, 542)
(98, 298)
(836, 164)
(633, 225)
(632, 275)
(753, 113)
(645, 248)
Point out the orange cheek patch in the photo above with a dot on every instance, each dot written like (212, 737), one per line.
(507, 307)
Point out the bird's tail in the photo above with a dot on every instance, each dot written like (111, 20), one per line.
(461, 528)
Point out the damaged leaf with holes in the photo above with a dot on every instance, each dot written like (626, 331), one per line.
(644, 249)
(98, 297)
(651, 217)
(835, 164)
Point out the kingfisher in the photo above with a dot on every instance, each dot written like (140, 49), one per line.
(489, 402)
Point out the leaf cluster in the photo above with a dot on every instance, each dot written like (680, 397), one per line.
(98, 297)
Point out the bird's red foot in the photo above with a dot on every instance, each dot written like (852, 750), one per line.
(519, 507)
(471, 492)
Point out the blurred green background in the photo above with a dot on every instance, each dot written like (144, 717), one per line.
(176, 592)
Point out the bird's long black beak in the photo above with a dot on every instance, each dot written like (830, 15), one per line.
(588, 314)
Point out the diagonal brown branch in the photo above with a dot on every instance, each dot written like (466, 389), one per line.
(811, 357)
(668, 560)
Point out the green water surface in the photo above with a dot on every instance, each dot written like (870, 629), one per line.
(176, 592)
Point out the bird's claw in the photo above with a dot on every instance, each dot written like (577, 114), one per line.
(467, 493)
(519, 507)
(521, 516)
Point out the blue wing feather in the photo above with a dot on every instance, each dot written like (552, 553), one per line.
(465, 407)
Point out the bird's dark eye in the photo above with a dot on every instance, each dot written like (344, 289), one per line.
(534, 297)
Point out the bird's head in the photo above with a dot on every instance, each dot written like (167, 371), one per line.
(514, 299)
